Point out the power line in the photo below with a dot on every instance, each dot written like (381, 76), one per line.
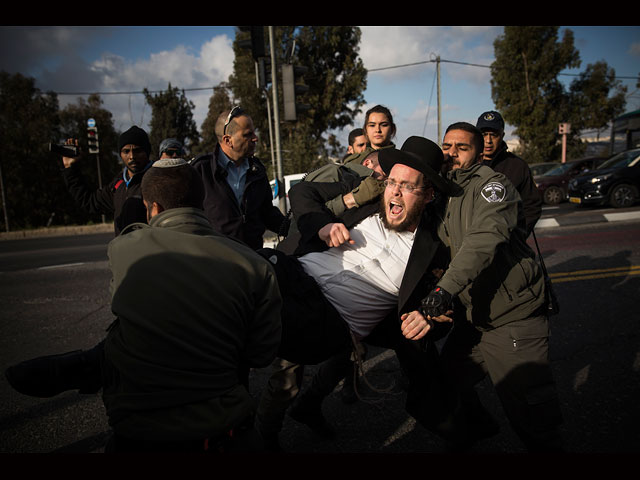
(131, 93)
(369, 70)
(473, 65)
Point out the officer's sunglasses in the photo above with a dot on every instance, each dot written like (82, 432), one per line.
(235, 112)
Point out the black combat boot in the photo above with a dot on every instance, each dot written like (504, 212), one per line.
(307, 409)
(50, 375)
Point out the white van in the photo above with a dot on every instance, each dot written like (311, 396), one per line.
(289, 181)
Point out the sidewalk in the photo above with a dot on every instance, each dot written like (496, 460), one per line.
(58, 231)
(586, 217)
(562, 220)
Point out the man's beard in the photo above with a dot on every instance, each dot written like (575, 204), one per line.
(411, 219)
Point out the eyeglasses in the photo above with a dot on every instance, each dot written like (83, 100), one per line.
(235, 112)
(404, 187)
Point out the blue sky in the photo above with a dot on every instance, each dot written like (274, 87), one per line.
(130, 58)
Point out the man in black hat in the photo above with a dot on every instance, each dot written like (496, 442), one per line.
(496, 156)
(331, 302)
(121, 197)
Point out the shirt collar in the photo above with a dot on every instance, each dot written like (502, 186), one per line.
(127, 180)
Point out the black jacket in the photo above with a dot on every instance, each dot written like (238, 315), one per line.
(255, 214)
(122, 201)
(518, 172)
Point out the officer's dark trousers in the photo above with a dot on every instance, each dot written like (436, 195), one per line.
(516, 358)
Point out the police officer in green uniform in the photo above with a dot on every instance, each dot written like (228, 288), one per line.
(496, 288)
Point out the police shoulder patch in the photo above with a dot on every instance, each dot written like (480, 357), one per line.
(494, 192)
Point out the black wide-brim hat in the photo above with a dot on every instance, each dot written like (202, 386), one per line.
(420, 154)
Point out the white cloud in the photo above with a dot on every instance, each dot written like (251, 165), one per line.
(212, 64)
(391, 46)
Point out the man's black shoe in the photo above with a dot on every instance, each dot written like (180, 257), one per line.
(313, 418)
(479, 429)
(50, 375)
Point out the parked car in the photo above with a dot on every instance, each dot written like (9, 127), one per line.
(542, 168)
(289, 181)
(616, 182)
(553, 185)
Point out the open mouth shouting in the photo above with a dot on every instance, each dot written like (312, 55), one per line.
(396, 209)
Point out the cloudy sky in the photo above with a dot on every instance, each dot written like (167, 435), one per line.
(119, 62)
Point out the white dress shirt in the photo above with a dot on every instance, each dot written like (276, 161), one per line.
(362, 281)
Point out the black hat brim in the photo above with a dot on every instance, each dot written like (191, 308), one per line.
(389, 157)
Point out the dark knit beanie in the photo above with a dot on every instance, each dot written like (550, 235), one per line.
(135, 136)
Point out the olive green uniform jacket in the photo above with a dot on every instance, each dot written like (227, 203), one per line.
(492, 271)
(195, 310)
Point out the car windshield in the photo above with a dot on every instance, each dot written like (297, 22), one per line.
(623, 159)
(559, 170)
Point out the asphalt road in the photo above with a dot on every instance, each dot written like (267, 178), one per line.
(594, 349)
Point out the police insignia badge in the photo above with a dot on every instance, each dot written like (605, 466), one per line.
(489, 116)
(493, 192)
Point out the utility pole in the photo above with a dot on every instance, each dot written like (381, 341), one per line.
(276, 123)
(94, 147)
(439, 119)
(4, 203)
(564, 129)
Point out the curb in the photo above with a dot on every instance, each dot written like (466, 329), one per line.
(58, 231)
(579, 220)
(549, 222)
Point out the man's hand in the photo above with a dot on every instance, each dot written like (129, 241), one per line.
(335, 234)
(68, 161)
(414, 325)
(369, 189)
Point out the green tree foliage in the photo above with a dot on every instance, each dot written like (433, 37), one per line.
(591, 99)
(218, 103)
(171, 117)
(28, 122)
(336, 79)
(527, 91)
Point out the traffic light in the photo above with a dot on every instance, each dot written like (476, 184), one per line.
(291, 90)
(255, 42)
(92, 139)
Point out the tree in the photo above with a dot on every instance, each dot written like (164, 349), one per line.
(593, 105)
(171, 117)
(336, 79)
(218, 103)
(525, 86)
(526, 90)
(30, 176)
